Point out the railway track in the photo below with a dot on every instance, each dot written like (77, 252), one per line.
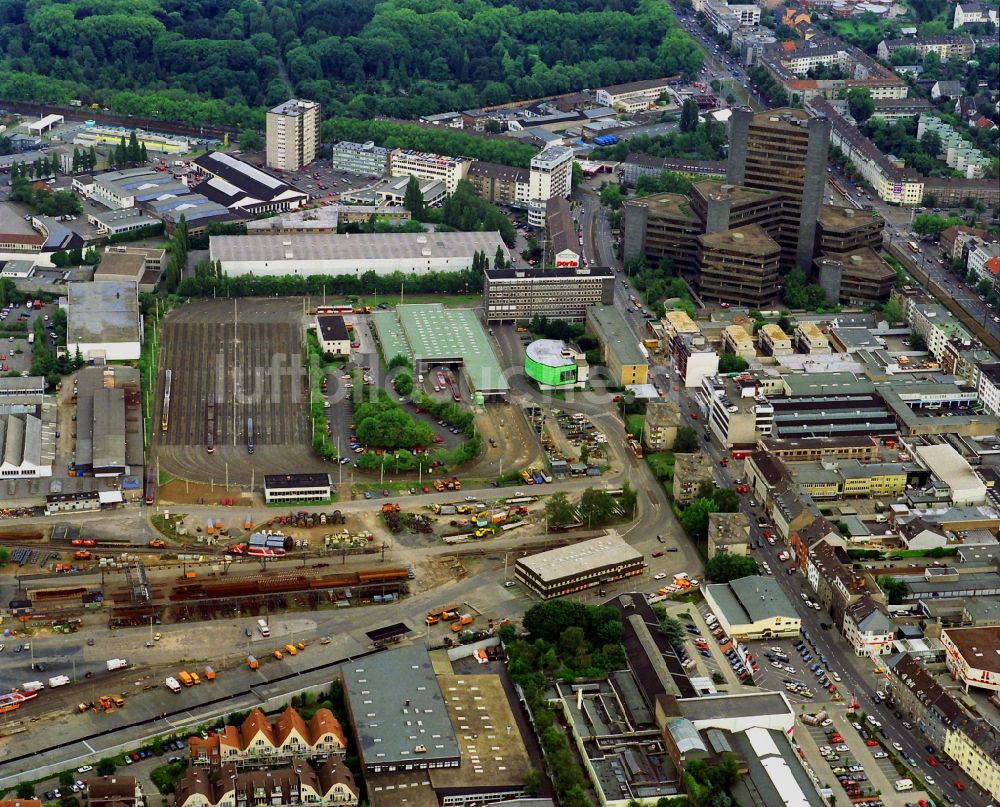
(76, 113)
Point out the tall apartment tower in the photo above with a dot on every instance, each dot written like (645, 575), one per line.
(784, 151)
(551, 174)
(292, 134)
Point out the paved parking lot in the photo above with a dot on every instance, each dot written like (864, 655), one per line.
(874, 776)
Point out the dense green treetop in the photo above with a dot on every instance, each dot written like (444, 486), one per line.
(401, 58)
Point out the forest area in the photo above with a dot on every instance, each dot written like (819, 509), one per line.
(224, 62)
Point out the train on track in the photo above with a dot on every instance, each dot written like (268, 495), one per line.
(210, 423)
(150, 484)
(165, 418)
(14, 700)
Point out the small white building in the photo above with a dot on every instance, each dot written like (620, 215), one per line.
(292, 488)
(333, 336)
(868, 627)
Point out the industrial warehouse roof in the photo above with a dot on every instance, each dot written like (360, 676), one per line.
(550, 353)
(752, 599)
(493, 750)
(397, 708)
(580, 558)
(616, 334)
(102, 312)
(359, 246)
(434, 334)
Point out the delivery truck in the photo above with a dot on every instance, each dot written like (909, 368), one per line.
(172, 685)
(58, 681)
(117, 664)
(32, 686)
(185, 678)
(262, 626)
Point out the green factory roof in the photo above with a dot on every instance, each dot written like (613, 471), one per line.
(433, 333)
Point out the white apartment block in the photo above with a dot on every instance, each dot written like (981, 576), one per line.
(982, 258)
(551, 174)
(973, 13)
(292, 134)
(868, 628)
(434, 167)
(989, 387)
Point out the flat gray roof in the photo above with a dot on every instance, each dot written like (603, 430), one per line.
(616, 334)
(550, 353)
(799, 384)
(102, 312)
(752, 599)
(397, 706)
(729, 706)
(580, 558)
(109, 428)
(359, 246)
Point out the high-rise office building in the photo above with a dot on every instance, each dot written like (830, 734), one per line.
(292, 134)
(784, 151)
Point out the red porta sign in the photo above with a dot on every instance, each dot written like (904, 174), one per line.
(571, 264)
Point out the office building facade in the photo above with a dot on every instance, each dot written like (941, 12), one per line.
(783, 150)
(517, 294)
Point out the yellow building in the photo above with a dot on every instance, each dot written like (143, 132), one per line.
(735, 339)
(677, 322)
(977, 753)
(848, 478)
(620, 350)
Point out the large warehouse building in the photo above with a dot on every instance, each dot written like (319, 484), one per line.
(431, 335)
(103, 321)
(351, 254)
(579, 566)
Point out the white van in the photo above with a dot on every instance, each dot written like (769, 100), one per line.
(903, 784)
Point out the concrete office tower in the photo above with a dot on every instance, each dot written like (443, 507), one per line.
(740, 266)
(292, 134)
(783, 150)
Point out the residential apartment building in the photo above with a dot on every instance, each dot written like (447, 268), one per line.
(694, 359)
(868, 627)
(258, 742)
(989, 387)
(950, 46)
(973, 657)
(736, 340)
(830, 573)
(848, 446)
(635, 96)
(739, 266)
(809, 338)
(620, 352)
(551, 174)
(518, 293)
(432, 167)
(966, 13)
(292, 136)
(893, 110)
(921, 699)
(690, 470)
(114, 791)
(975, 747)
(783, 151)
(332, 785)
(663, 419)
(500, 184)
(891, 180)
(957, 152)
(774, 341)
(728, 533)
(364, 159)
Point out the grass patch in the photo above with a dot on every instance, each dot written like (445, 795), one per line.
(321, 442)
(635, 424)
(661, 463)
(167, 527)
